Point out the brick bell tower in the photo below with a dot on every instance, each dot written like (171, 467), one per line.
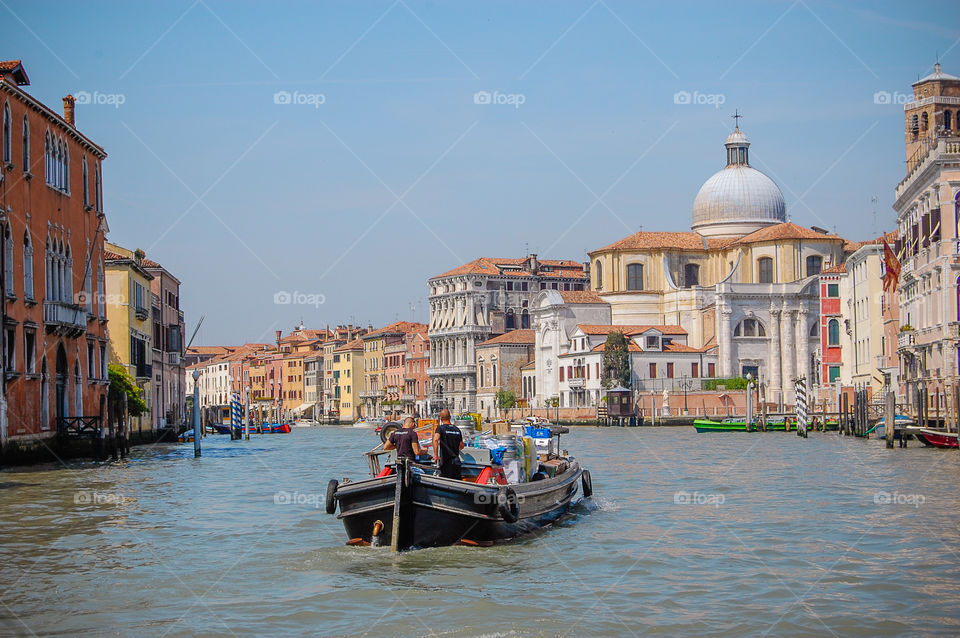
(932, 113)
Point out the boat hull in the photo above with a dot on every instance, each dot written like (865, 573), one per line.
(436, 511)
(935, 438)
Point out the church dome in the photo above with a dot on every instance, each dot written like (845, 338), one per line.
(738, 199)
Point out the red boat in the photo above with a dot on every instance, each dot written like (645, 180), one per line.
(936, 438)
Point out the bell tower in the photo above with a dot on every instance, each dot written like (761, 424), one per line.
(931, 114)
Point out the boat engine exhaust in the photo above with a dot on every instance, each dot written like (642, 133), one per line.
(375, 536)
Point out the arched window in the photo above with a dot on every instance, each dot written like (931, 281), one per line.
(525, 320)
(765, 270)
(833, 333)
(101, 293)
(44, 396)
(924, 121)
(915, 125)
(749, 327)
(27, 266)
(86, 182)
(483, 375)
(87, 283)
(97, 195)
(815, 330)
(814, 264)
(68, 276)
(510, 322)
(66, 167)
(493, 375)
(691, 275)
(48, 271)
(634, 276)
(598, 275)
(26, 145)
(8, 259)
(47, 153)
(948, 120)
(7, 133)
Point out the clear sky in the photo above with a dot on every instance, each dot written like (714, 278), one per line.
(347, 152)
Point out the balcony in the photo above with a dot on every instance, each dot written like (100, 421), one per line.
(906, 338)
(64, 318)
(953, 330)
(173, 358)
(441, 370)
(372, 394)
(144, 371)
(408, 398)
(576, 382)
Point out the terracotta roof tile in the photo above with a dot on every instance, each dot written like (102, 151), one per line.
(356, 344)
(514, 336)
(488, 266)
(580, 296)
(109, 255)
(834, 270)
(664, 240)
(604, 329)
(403, 327)
(786, 230)
(631, 347)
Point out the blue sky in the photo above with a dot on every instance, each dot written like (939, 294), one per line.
(339, 150)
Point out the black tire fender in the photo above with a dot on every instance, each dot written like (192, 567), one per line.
(507, 505)
(587, 481)
(331, 502)
(387, 430)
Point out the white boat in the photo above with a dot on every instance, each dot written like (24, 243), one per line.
(305, 423)
(369, 424)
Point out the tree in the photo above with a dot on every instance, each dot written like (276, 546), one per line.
(616, 361)
(506, 399)
(125, 396)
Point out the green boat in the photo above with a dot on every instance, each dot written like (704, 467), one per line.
(739, 425)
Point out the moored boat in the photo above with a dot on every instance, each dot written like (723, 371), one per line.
(934, 438)
(482, 508)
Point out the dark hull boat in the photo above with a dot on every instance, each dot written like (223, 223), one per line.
(405, 506)
(436, 511)
(935, 438)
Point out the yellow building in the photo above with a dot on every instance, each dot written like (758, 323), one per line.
(292, 400)
(128, 303)
(348, 375)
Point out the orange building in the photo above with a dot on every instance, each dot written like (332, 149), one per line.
(53, 225)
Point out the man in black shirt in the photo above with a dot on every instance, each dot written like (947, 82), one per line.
(405, 440)
(447, 443)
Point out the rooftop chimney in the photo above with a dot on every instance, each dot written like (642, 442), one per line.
(279, 332)
(534, 264)
(68, 110)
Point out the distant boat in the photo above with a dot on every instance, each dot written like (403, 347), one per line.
(735, 424)
(370, 424)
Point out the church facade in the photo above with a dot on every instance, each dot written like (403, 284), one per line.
(743, 279)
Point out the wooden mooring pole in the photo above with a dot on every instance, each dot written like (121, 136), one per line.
(889, 416)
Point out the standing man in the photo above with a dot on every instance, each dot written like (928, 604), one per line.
(405, 440)
(447, 443)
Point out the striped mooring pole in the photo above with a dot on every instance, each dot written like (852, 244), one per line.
(801, 406)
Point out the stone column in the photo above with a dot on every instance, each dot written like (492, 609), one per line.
(773, 382)
(803, 346)
(724, 343)
(789, 344)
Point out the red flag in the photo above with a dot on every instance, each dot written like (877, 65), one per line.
(892, 275)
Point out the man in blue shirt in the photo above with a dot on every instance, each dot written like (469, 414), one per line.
(447, 443)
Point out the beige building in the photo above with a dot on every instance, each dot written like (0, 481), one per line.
(347, 366)
(499, 363)
(927, 203)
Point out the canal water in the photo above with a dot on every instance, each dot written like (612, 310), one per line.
(729, 534)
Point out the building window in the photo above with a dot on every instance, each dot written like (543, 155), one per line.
(44, 396)
(86, 183)
(10, 349)
(8, 259)
(833, 290)
(833, 332)
(691, 275)
(103, 361)
(7, 132)
(711, 370)
(749, 328)
(814, 264)
(525, 320)
(653, 370)
(914, 125)
(694, 369)
(510, 323)
(765, 270)
(26, 144)
(29, 351)
(96, 187)
(924, 121)
(670, 370)
(91, 361)
(947, 120)
(634, 277)
(598, 275)
(27, 266)
(834, 373)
